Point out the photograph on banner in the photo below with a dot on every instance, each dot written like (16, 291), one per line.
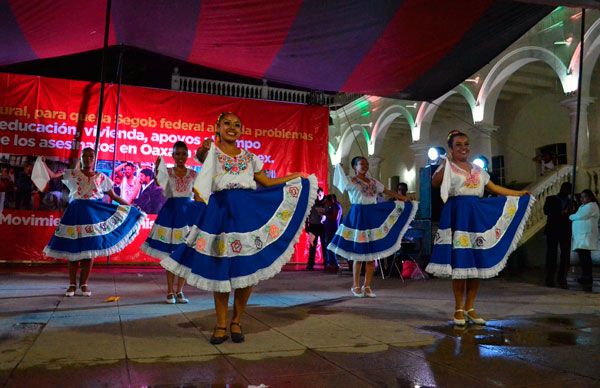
(57, 118)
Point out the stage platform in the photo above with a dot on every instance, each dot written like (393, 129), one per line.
(302, 330)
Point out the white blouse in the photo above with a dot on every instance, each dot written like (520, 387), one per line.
(222, 172)
(83, 187)
(179, 186)
(359, 191)
(461, 182)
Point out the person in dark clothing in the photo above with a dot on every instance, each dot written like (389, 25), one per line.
(314, 228)
(333, 215)
(558, 233)
(25, 188)
(151, 197)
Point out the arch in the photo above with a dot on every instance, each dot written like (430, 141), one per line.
(590, 57)
(508, 65)
(427, 111)
(383, 123)
(348, 137)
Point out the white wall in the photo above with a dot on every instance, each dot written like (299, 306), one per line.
(527, 123)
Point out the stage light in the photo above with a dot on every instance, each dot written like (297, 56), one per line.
(434, 153)
(482, 162)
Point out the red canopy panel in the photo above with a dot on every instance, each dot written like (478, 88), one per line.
(416, 49)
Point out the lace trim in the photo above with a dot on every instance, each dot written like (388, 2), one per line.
(370, 235)
(119, 246)
(481, 240)
(249, 243)
(74, 232)
(446, 270)
(248, 280)
(381, 254)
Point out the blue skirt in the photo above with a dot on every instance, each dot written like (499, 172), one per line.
(370, 232)
(91, 228)
(244, 236)
(476, 235)
(172, 226)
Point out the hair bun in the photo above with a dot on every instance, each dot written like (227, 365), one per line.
(454, 132)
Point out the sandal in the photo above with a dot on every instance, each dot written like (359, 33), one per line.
(218, 340)
(236, 337)
(85, 292)
(71, 290)
(471, 318)
(459, 321)
(170, 298)
(357, 292)
(181, 298)
(368, 292)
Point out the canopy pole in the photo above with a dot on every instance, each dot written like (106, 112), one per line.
(101, 103)
(577, 119)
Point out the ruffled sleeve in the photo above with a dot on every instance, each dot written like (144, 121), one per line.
(340, 180)
(204, 180)
(485, 177)
(379, 186)
(70, 180)
(107, 184)
(446, 180)
(162, 174)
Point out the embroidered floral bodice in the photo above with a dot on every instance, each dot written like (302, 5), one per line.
(464, 182)
(359, 191)
(180, 186)
(235, 172)
(82, 186)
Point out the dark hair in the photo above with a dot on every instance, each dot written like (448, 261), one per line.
(355, 161)
(590, 195)
(334, 198)
(403, 184)
(453, 134)
(148, 172)
(129, 164)
(88, 149)
(566, 187)
(223, 114)
(179, 144)
(320, 189)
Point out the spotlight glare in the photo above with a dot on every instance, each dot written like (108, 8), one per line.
(481, 161)
(433, 154)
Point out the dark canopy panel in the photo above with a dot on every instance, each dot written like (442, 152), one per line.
(414, 49)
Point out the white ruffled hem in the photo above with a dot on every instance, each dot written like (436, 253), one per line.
(153, 252)
(446, 270)
(382, 254)
(118, 247)
(249, 280)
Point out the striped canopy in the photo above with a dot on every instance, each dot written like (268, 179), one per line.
(414, 49)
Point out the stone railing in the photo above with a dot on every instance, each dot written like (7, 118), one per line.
(261, 92)
(547, 185)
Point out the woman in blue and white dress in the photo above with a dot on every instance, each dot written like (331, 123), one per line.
(476, 235)
(370, 230)
(89, 227)
(244, 235)
(176, 217)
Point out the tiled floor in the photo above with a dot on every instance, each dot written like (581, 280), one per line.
(302, 330)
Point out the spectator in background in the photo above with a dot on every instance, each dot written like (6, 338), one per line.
(117, 179)
(558, 233)
(402, 188)
(547, 162)
(585, 235)
(6, 185)
(331, 222)
(25, 190)
(314, 228)
(151, 197)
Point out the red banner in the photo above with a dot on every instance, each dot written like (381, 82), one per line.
(57, 118)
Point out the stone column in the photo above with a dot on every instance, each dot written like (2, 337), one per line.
(421, 160)
(482, 139)
(584, 157)
(374, 162)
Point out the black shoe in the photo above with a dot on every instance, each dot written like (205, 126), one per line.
(218, 340)
(236, 337)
